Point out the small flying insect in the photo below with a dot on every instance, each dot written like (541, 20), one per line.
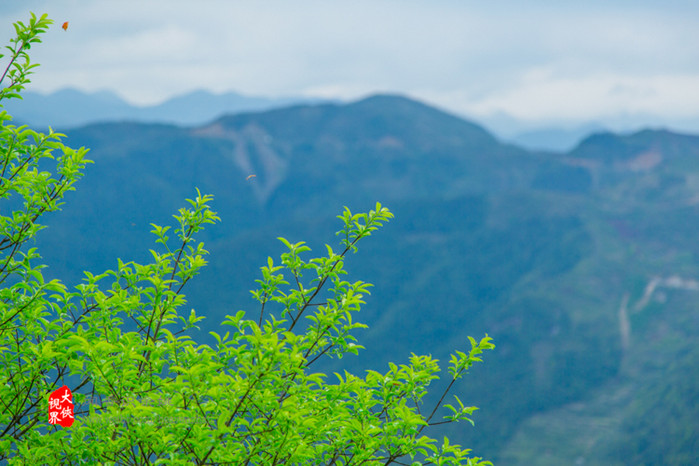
(65, 26)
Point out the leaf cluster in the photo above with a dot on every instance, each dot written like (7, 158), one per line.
(27, 331)
(19, 66)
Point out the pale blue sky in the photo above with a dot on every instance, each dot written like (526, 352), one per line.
(543, 62)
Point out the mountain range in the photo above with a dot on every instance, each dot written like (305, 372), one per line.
(68, 108)
(582, 265)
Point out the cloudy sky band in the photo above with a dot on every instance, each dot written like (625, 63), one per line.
(536, 61)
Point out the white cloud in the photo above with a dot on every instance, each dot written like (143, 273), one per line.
(547, 98)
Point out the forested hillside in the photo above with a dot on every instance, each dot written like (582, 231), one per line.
(582, 266)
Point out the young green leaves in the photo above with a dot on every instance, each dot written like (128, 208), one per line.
(358, 226)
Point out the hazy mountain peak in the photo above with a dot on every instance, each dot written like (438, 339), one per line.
(388, 99)
(393, 119)
(396, 103)
(70, 107)
(616, 148)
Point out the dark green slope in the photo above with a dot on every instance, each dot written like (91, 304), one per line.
(637, 292)
(538, 250)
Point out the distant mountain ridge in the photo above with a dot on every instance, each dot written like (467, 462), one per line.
(552, 254)
(69, 108)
